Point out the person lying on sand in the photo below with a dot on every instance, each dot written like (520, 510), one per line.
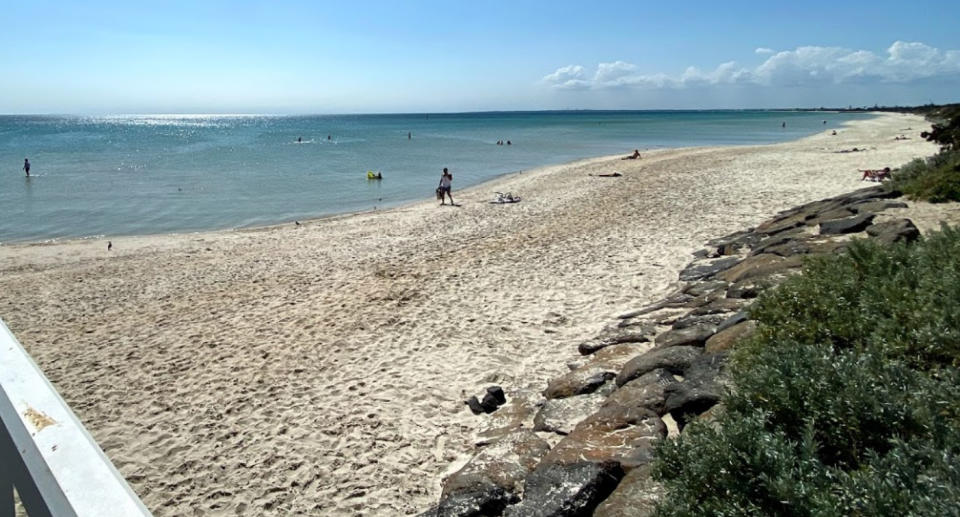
(634, 156)
(611, 175)
(875, 174)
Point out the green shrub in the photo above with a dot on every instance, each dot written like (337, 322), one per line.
(845, 402)
(936, 179)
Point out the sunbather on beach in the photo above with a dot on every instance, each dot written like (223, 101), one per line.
(634, 156)
(876, 174)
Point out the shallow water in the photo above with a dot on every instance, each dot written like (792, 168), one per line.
(146, 174)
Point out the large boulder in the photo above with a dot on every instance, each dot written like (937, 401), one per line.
(516, 414)
(897, 230)
(639, 334)
(700, 269)
(689, 336)
(733, 320)
(701, 389)
(727, 338)
(566, 490)
(872, 193)
(613, 433)
(872, 206)
(749, 288)
(782, 224)
(647, 391)
(602, 367)
(857, 223)
(637, 495)
(562, 415)
(705, 288)
(760, 266)
(493, 478)
(586, 466)
(679, 299)
(674, 359)
(693, 320)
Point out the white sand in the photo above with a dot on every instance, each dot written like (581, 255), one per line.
(322, 369)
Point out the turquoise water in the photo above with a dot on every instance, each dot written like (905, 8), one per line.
(132, 175)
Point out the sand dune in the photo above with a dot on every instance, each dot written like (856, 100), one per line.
(322, 368)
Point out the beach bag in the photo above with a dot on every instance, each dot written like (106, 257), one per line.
(439, 193)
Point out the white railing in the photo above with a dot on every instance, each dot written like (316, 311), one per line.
(46, 453)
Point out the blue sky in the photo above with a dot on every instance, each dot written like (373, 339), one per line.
(373, 57)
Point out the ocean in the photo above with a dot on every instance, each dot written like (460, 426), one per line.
(148, 174)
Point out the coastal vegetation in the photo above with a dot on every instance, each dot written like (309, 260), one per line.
(935, 179)
(845, 402)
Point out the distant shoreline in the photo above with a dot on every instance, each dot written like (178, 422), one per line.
(215, 221)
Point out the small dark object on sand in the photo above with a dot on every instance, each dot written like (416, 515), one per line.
(474, 405)
(109, 245)
(497, 393)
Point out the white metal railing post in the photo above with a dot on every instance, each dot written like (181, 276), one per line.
(51, 459)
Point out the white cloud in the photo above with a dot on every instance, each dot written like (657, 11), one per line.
(903, 62)
(610, 74)
(568, 77)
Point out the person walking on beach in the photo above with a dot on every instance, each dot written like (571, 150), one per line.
(445, 180)
(26, 166)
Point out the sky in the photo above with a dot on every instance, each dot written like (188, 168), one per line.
(293, 57)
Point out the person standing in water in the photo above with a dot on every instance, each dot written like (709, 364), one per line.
(445, 180)
(26, 166)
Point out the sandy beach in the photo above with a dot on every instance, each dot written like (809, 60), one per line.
(322, 368)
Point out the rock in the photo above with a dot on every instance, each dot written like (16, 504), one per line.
(826, 245)
(638, 325)
(498, 394)
(783, 223)
(636, 495)
(776, 240)
(516, 414)
(474, 405)
(731, 244)
(647, 391)
(489, 403)
(870, 206)
(566, 490)
(871, 193)
(692, 336)
(749, 288)
(602, 367)
(727, 338)
(562, 415)
(733, 320)
(720, 306)
(854, 224)
(760, 266)
(705, 288)
(674, 359)
(612, 433)
(836, 213)
(700, 390)
(699, 270)
(493, 478)
(641, 334)
(897, 230)
(693, 320)
(679, 299)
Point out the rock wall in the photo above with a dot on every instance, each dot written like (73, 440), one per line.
(583, 446)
